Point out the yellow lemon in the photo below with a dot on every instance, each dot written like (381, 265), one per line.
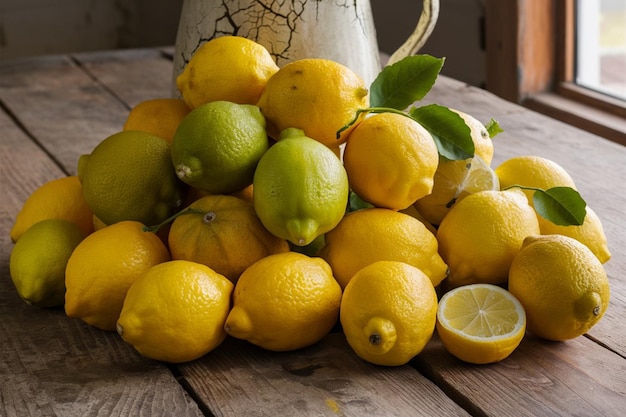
(61, 198)
(38, 259)
(224, 233)
(129, 176)
(284, 302)
(561, 284)
(230, 68)
(481, 235)
(533, 171)
(102, 268)
(316, 95)
(217, 146)
(390, 160)
(480, 323)
(453, 181)
(175, 311)
(159, 116)
(388, 312)
(300, 188)
(378, 234)
(591, 233)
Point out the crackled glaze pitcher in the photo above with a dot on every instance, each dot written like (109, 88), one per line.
(333, 29)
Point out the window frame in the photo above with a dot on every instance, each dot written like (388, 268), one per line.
(530, 51)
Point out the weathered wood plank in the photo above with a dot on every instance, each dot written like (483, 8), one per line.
(573, 378)
(597, 166)
(326, 379)
(60, 105)
(52, 365)
(132, 75)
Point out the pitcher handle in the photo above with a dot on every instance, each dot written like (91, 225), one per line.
(421, 33)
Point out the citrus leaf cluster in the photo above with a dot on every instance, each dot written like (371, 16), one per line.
(399, 86)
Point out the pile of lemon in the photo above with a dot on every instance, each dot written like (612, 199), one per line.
(225, 212)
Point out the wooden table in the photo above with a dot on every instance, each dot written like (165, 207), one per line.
(55, 108)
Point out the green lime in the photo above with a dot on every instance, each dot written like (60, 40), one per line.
(217, 146)
(300, 188)
(38, 260)
(129, 176)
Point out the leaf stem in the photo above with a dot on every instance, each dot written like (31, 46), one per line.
(371, 110)
(524, 187)
(173, 217)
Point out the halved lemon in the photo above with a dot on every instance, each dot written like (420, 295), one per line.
(480, 323)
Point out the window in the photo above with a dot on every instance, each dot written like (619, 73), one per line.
(532, 50)
(601, 46)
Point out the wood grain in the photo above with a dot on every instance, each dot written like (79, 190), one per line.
(58, 104)
(131, 75)
(52, 365)
(326, 379)
(577, 378)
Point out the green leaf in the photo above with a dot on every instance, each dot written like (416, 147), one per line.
(561, 205)
(493, 128)
(405, 82)
(356, 203)
(452, 136)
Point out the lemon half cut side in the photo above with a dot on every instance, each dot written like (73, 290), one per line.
(480, 323)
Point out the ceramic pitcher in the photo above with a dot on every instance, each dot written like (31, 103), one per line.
(333, 29)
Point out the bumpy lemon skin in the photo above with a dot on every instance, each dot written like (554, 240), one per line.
(388, 312)
(562, 285)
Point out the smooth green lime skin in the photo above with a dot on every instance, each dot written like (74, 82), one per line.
(38, 259)
(300, 188)
(218, 145)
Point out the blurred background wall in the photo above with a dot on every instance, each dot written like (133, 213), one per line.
(35, 27)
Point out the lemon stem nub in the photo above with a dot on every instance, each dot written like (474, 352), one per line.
(182, 171)
(187, 210)
(375, 339)
(381, 334)
(209, 217)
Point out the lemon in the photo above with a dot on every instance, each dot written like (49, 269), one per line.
(533, 171)
(300, 188)
(38, 259)
(561, 284)
(284, 302)
(390, 160)
(175, 311)
(591, 233)
(61, 198)
(217, 146)
(480, 323)
(159, 116)
(453, 181)
(224, 233)
(378, 234)
(319, 96)
(129, 176)
(388, 312)
(481, 235)
(230, 68)
(102, 268)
